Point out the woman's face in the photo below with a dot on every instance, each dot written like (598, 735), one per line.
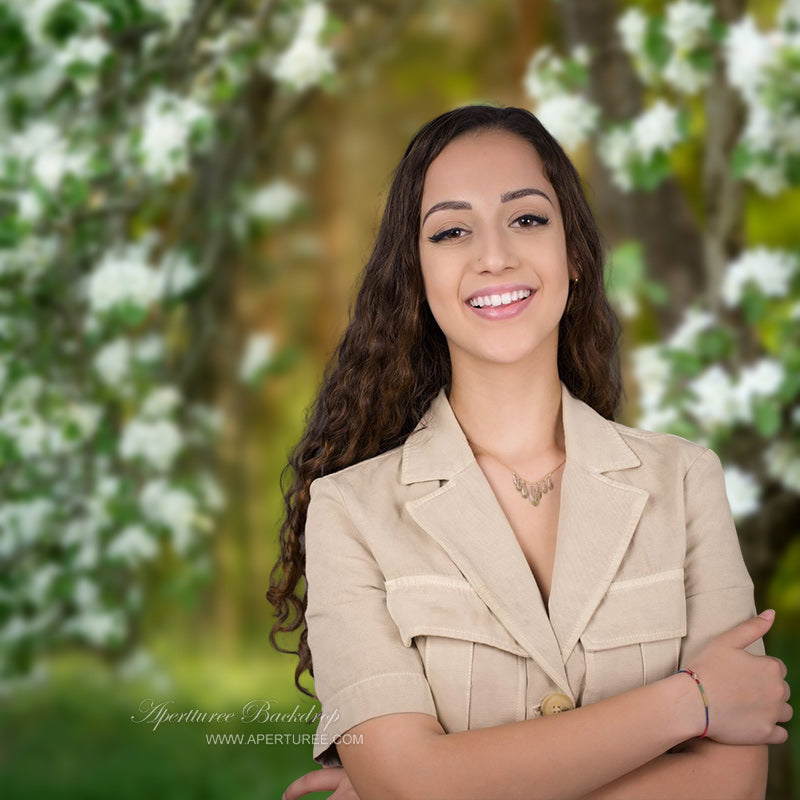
(493, 251)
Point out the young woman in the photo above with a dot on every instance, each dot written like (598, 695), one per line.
(502, 582)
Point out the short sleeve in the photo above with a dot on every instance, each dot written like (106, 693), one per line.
(362, 669)
(719, 590)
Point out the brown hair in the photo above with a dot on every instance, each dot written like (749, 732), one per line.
(393, 358)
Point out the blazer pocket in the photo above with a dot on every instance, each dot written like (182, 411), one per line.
(634, 636)
(475, 668)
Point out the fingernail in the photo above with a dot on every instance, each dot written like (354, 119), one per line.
(768, 614)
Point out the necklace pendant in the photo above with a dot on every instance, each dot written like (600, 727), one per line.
(533, 492)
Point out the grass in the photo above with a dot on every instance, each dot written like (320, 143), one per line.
(75, 738)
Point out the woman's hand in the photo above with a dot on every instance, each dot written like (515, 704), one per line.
(327, 779)
(747, 694)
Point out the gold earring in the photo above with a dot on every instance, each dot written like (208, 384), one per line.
(571, 295)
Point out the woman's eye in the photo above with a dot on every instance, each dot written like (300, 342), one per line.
(450, 233)
(530, 220)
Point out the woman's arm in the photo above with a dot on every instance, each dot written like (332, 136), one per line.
(734, 772)
(572, 754)
(704, 769)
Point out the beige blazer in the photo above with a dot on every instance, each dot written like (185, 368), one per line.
(421, 599)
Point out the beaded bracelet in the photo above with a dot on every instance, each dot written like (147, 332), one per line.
(696, 678)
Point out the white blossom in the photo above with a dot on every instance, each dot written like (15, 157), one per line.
(73, 425)
(31, 257)
(657, 419)
(84, 416)
(96, 626)
(173, 508)
(24, 393)
(41, 582)
(179, 273)
(632, 28)
(761, 379)
(747, 53)
(769, 179)
(744, 492)
(161, 402)
(90, 50)
(208, 418)
(715, 399)
(770, 271)
(113, 362)
(36, 13)
(85, 593)
(149, 348)
(615, 150)
(275, 202)
(133, 544)
(683, 76)
(652, 372)
(656, 129)
(789, 13)
(211, 492)
(257, 355)
(306, 61)
(571, 119)
(28, 430)
(123, 276)
(23, 522)
(694, 322)
(544, 76)
(175, 12)
(687, 23)
(45, 149)
(169, 121)
(156, 442)
(782, 460)
(29, 207)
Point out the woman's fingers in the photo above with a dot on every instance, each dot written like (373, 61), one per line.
(747, 632)
(318, 780)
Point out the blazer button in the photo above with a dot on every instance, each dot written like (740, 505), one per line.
(555, 704)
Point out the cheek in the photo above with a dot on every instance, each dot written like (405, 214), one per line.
(438, 290)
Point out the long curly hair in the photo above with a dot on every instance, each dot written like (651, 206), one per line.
(393, 358)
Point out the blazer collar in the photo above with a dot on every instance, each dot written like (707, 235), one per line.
(598, 515)
(590, 440)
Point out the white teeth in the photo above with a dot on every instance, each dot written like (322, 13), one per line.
(499, 299)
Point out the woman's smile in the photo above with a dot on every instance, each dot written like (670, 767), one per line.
(500, 302)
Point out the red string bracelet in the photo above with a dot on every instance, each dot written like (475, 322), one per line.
(696, 678)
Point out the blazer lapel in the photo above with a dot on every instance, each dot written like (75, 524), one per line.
(466, 520)
(598, 516)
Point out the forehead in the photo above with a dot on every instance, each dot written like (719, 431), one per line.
(487, 162)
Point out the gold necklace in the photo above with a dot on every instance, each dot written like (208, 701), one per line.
(530, 490)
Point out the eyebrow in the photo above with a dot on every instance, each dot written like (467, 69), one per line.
(462, 205)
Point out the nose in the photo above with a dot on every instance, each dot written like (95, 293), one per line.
(495, 252)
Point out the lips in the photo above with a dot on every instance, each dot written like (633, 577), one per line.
(500, 302)
(499, 299)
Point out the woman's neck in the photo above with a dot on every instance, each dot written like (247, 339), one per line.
(513, 414)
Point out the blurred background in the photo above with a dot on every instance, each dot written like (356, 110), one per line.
(188, 192)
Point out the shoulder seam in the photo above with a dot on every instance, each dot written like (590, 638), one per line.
(696, 459)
